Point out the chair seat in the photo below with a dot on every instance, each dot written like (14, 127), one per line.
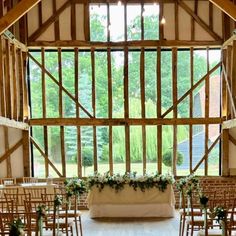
(211, 232)
(196, 211)
(198, 220)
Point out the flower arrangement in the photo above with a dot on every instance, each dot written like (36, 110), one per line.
(41, 211)
(16, 228)
(58, 200)
(188, 184)
(219, 212)
(75, 187)
(118, 181)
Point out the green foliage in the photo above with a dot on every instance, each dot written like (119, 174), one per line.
(87, 157)
(167, 158)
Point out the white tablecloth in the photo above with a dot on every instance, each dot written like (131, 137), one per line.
(130, 203)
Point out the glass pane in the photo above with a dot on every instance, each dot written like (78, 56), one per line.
(214, 155)
(116, 22)
(39, 161)
(166, 81)
(214, 96)
(98, 22)
(150, 84)
(51, 63)
(118, 139)
(103, 149)
(183, 150)
(68, 71)
(54, 148)
(167, 148)
(36, 86)
(85, 82)
(151, 21)
(87, 150)
(136, 149)
(199, 64)
(117, 65)
(183, 81)
(52, 98)
(133, 22)
(71, 150)
(214, 57)
(198, 147)
(101, 84)
(151, 147)
(134, 85)
(199, 101)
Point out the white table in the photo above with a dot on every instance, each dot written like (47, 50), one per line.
(130, 203)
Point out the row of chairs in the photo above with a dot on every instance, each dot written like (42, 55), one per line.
(192, 214)
(12, 181)
(24, 206)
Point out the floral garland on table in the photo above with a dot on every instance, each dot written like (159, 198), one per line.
(118, 181)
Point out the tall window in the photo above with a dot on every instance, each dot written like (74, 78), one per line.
(83, 85)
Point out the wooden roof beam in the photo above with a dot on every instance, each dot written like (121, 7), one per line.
(16, 13)
(227, 7)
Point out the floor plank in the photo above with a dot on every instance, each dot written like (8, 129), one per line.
(130, 227)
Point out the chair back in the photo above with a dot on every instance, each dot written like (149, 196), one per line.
(6, 216)
(35, 193)
(8, 181)
(30, 180)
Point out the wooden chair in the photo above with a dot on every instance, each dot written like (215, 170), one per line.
(8, 181)
(31, 217)
(194, 221)
(184, 211)
(35, 193)
(72, 213)
(18, 202)
(30, 180)
(11, 190)
(6, 216)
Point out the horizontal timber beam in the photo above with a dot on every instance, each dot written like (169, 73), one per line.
(105, 121)
(228, 124)
(227, 7)
(13, 124)
(229, 42)
(135, 44)
(16, 13)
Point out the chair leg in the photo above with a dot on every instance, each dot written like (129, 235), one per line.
(187, 230)
(80, 225)
(192, 229)
(76, 227)
(180, 225)
(183, 225)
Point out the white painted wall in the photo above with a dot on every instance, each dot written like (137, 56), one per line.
(14, 135)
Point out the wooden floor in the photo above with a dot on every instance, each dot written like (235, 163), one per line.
(130, 227)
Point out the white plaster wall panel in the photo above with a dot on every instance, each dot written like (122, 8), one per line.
(232, 150)
(80, 22)
(217, 20)
(202, 34)
(48, 35)
(203, 11)
(17, 156)
(184, 25)
(60, 3)
(33, 20)
(47, 10)
(169, 27)
(3, 166)
(65, 24)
